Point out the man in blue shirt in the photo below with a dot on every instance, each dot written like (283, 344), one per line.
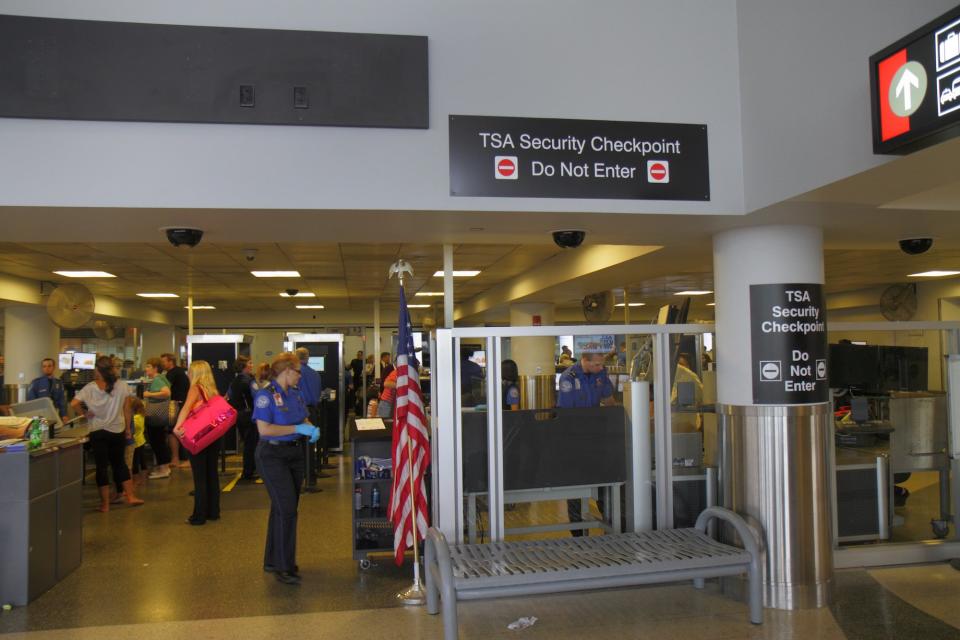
(46, 386)
(585, 384)
(309, 380)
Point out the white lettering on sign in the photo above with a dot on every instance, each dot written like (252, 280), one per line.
(575, 170)
(769, 326)
(496, 141)
(633, 145)
(602, 170)
(571, 143)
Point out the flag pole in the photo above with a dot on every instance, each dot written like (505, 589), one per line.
(414, 595)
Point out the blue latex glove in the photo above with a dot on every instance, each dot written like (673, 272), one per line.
(306, 429)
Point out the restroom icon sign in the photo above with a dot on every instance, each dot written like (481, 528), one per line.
(771, 370)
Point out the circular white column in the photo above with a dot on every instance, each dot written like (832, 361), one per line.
(754, 255)
(534, 356)
(775, 457)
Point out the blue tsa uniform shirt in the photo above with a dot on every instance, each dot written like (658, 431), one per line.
(276, 406)
(579, 389)
(44, 387)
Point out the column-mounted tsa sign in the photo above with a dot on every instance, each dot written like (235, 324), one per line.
(788, 329)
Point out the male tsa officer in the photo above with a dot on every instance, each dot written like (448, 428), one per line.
(46, 386)
(585, 384)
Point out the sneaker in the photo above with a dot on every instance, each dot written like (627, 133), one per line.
(159, 474)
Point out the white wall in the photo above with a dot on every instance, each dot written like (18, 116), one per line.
(619, 60)
(805, 86)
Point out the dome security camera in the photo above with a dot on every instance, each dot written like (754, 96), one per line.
(183, 235)
(569, 238)
(250, 254)
(292, 292)
(916, 246)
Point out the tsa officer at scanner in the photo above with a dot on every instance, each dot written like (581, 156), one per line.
(281, 417)
(585, 384)
(47, 386)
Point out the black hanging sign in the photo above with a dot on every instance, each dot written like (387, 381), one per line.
(553, 158)
(915, 88)
(788, 330)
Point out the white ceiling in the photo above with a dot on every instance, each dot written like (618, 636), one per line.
(344, 256)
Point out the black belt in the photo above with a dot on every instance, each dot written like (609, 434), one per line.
(278, 443)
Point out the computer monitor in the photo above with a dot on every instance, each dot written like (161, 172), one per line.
(65, 361)
(84, 361)
(316, 362)
(855, 366)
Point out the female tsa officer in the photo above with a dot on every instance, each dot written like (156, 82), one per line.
(281, 417)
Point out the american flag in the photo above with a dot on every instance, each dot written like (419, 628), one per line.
(409, 426)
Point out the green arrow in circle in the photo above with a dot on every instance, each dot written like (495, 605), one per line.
(907, 89)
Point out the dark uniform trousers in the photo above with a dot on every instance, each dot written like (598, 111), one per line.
(281, 466)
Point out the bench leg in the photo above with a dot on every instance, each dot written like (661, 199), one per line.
(756, 592)
(449, 618)
(431, 570)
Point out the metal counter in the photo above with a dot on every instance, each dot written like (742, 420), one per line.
(41, 518)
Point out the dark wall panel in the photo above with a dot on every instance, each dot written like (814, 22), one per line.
(87, 70)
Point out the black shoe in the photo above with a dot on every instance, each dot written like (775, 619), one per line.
(249, 476)
(213, 517)
(287, 577)
(195, 521)
(269, 568)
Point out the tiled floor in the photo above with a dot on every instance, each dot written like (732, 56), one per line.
(147, 575)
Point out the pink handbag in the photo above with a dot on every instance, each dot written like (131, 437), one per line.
(206, 423)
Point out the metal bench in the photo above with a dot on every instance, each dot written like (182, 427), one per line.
(500, 569)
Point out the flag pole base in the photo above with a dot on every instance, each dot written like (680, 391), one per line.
(413, 596)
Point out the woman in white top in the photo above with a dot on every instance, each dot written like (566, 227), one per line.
(106, 405)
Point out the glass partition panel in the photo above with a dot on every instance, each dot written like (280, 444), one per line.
(470, 387)
(692, 426)
(892, 464)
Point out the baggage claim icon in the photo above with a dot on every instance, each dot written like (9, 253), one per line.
(505, 167)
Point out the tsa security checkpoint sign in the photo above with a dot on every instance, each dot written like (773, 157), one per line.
(915, 88)
(788, 331)
(555, 158)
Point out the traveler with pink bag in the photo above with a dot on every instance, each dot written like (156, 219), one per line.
(203, 419)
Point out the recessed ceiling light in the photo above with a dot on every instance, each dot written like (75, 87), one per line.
(631, 304)
(933, 274)
(158, 295)
(276, 274)
(692, 293)
(85, 274)
(204, 307)
(418, 306)
(458, 274)
(429, 293)
(711, 304)
(310, 306)
(301, 294)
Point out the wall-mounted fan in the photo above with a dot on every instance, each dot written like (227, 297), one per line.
(898, 302)
(104, 330)
(71, 306)
(598, 307)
